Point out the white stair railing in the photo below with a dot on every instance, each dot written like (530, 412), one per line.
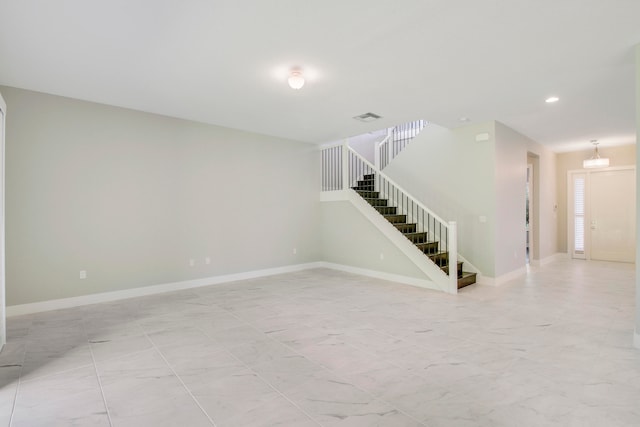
(398, 137)
(332, 179)
(343, 171)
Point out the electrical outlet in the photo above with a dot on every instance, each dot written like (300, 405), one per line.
(381, 257)
(192, 262)
(83, 274)
(295, 251)
(207, 260)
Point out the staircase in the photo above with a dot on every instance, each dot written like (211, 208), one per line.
(431, 248)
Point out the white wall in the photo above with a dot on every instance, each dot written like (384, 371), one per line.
(130, 197)
(482, 186)
(510, 188)
(548, 200)
(348, 238)
(453, 175)
(637, 332)
(3, 329)
(365, 144)
(515, 151)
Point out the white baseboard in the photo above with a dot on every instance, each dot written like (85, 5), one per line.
(421, 283)
(500, 280)
(636, 339)
(551, 258)
(58, 304)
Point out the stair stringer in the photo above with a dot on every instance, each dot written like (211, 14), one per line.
(438, 278)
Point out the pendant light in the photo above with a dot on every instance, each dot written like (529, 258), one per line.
(595, 161)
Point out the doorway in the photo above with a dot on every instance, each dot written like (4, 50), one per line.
(532, 214)
(529, 213)
(602, 209)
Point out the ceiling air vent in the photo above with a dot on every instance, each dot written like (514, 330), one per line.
(367, 117)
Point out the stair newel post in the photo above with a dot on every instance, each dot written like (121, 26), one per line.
(452, 247)
(345, 165)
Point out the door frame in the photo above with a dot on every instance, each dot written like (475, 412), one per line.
(587, 213)
(3, 310)
(534, 208)
(531, 240)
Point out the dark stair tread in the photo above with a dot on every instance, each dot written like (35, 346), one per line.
(366, 189)
(467, 279)
(393, 217)
(430, 243)
(445, 268)
(389, 210)
(428, 248)
(416, 237)
(377, 202)
(368, 194)
(403, 225)
(419, 236)
(439, 255)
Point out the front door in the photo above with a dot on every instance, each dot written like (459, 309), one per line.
(612, 219)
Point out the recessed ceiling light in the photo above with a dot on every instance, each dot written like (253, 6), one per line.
(465, 119)
(552, 99)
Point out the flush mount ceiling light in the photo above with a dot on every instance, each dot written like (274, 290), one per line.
(552, 99)
(367, 117)
(595, 161)
(296, 80)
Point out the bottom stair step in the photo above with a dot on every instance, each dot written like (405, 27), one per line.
(466, 279)
(446, 269)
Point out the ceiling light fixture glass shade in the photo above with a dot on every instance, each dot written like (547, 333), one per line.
(595, 161)
(296, 81)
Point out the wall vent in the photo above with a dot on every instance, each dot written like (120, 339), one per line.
(367, 117)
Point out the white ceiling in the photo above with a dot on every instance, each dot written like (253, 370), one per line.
(225, 62)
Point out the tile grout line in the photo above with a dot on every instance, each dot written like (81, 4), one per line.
(15, 397)
(64, 371)
(319, 364)
(236, 358)
(157, 350)
(226, 350)
(269, 384)
(95, 369)
(292, 299)
(403, 339)
(246, 322)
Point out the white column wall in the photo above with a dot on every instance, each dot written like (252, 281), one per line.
(637, 329)
(3, 328)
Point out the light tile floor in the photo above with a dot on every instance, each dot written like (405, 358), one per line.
(329, 348)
